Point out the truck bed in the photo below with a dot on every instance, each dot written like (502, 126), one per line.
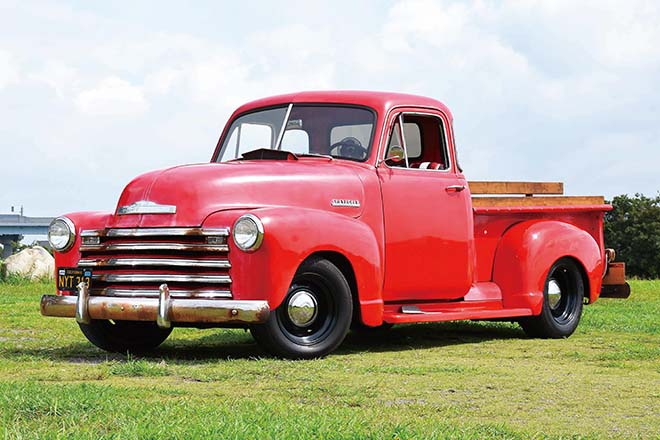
(501, 194)
(499, 205)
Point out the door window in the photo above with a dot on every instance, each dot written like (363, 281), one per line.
(423, 140)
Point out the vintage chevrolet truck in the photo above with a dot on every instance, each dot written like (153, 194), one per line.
(325, 211)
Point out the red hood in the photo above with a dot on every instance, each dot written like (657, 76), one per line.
(200, 190)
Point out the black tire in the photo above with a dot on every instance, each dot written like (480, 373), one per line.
(321, 282)
(561, 311)
(125, 336)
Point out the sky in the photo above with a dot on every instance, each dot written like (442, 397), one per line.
(94, 93)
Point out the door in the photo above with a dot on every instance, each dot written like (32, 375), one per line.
(427, 212)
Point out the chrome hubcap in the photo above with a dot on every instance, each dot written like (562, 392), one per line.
(302, 308)
(554, 294)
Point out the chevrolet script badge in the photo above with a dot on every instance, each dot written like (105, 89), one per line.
(345, 202)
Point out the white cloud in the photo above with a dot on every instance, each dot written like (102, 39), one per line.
(9, 71)
(62, 78)
(163, 80)
(112, 96)
(540, 89)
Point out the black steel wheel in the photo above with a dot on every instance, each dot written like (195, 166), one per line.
(125, 336)
(563, 296)
(314, 317)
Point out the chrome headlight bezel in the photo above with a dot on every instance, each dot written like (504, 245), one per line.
(257, 237)
(68, 224)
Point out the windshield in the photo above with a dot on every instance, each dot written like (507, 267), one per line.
(337, 131)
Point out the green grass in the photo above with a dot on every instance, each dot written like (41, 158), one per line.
(452, 380)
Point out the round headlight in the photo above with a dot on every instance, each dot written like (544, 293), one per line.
(61, 234)
(248, 233)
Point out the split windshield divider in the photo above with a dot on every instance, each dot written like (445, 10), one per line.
(278, 143)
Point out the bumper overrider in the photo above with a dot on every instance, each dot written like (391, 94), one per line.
(164, 310)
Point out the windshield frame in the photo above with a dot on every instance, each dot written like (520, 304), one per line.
(220, 148)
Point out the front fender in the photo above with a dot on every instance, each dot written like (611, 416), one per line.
(527, 251)
(290, 236)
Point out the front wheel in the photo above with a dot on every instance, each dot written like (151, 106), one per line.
(125, 336)
(314, 317)
(562, 302)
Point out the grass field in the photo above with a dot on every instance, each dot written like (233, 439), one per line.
(457, 380)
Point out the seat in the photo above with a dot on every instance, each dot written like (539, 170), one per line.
(427, 165)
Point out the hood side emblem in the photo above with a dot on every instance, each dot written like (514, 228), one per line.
(345, 202)
(146, 207)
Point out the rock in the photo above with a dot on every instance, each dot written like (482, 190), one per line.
(33, 263)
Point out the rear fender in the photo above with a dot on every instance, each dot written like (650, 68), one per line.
(527, 251)
(290, 236)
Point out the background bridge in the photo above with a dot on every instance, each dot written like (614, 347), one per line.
(14, 226)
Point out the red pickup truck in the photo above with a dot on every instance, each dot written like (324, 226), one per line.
(325, 211)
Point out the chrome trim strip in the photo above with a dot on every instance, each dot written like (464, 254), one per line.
(146, 309)
(161, 278)
(146, 207)
(157, 232)
(92, 233)
(403, 140)
(154, 232)
(155, 247)
(170, 262)
(385, 136)
(153, 293)
(411, 310)
(280, 136)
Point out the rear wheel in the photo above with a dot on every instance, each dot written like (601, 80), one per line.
(125, 336)
(562, 302)
(314, 317)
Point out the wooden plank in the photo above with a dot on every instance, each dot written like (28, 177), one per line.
(537, 201)
(486, 187)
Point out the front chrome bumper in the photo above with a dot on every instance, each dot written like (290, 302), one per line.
(164, 309)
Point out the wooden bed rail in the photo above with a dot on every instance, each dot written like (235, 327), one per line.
(526, 188)
(523, 194)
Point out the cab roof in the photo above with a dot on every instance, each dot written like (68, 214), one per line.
(382, 102)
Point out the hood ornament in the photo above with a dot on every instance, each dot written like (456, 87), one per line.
(146, 207)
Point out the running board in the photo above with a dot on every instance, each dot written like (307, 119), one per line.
(410, 314)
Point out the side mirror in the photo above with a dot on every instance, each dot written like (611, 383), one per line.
(395, 155)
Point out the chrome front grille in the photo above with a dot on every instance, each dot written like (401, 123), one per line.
(194, 262)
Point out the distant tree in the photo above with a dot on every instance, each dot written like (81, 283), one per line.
(17, 245)
(632, 228)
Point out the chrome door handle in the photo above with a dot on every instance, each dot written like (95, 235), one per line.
(455, 188)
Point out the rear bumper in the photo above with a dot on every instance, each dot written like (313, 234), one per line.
(163, 310)
(621, 291)
(614, 282)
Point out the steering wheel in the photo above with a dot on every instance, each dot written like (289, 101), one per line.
(349, 147)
